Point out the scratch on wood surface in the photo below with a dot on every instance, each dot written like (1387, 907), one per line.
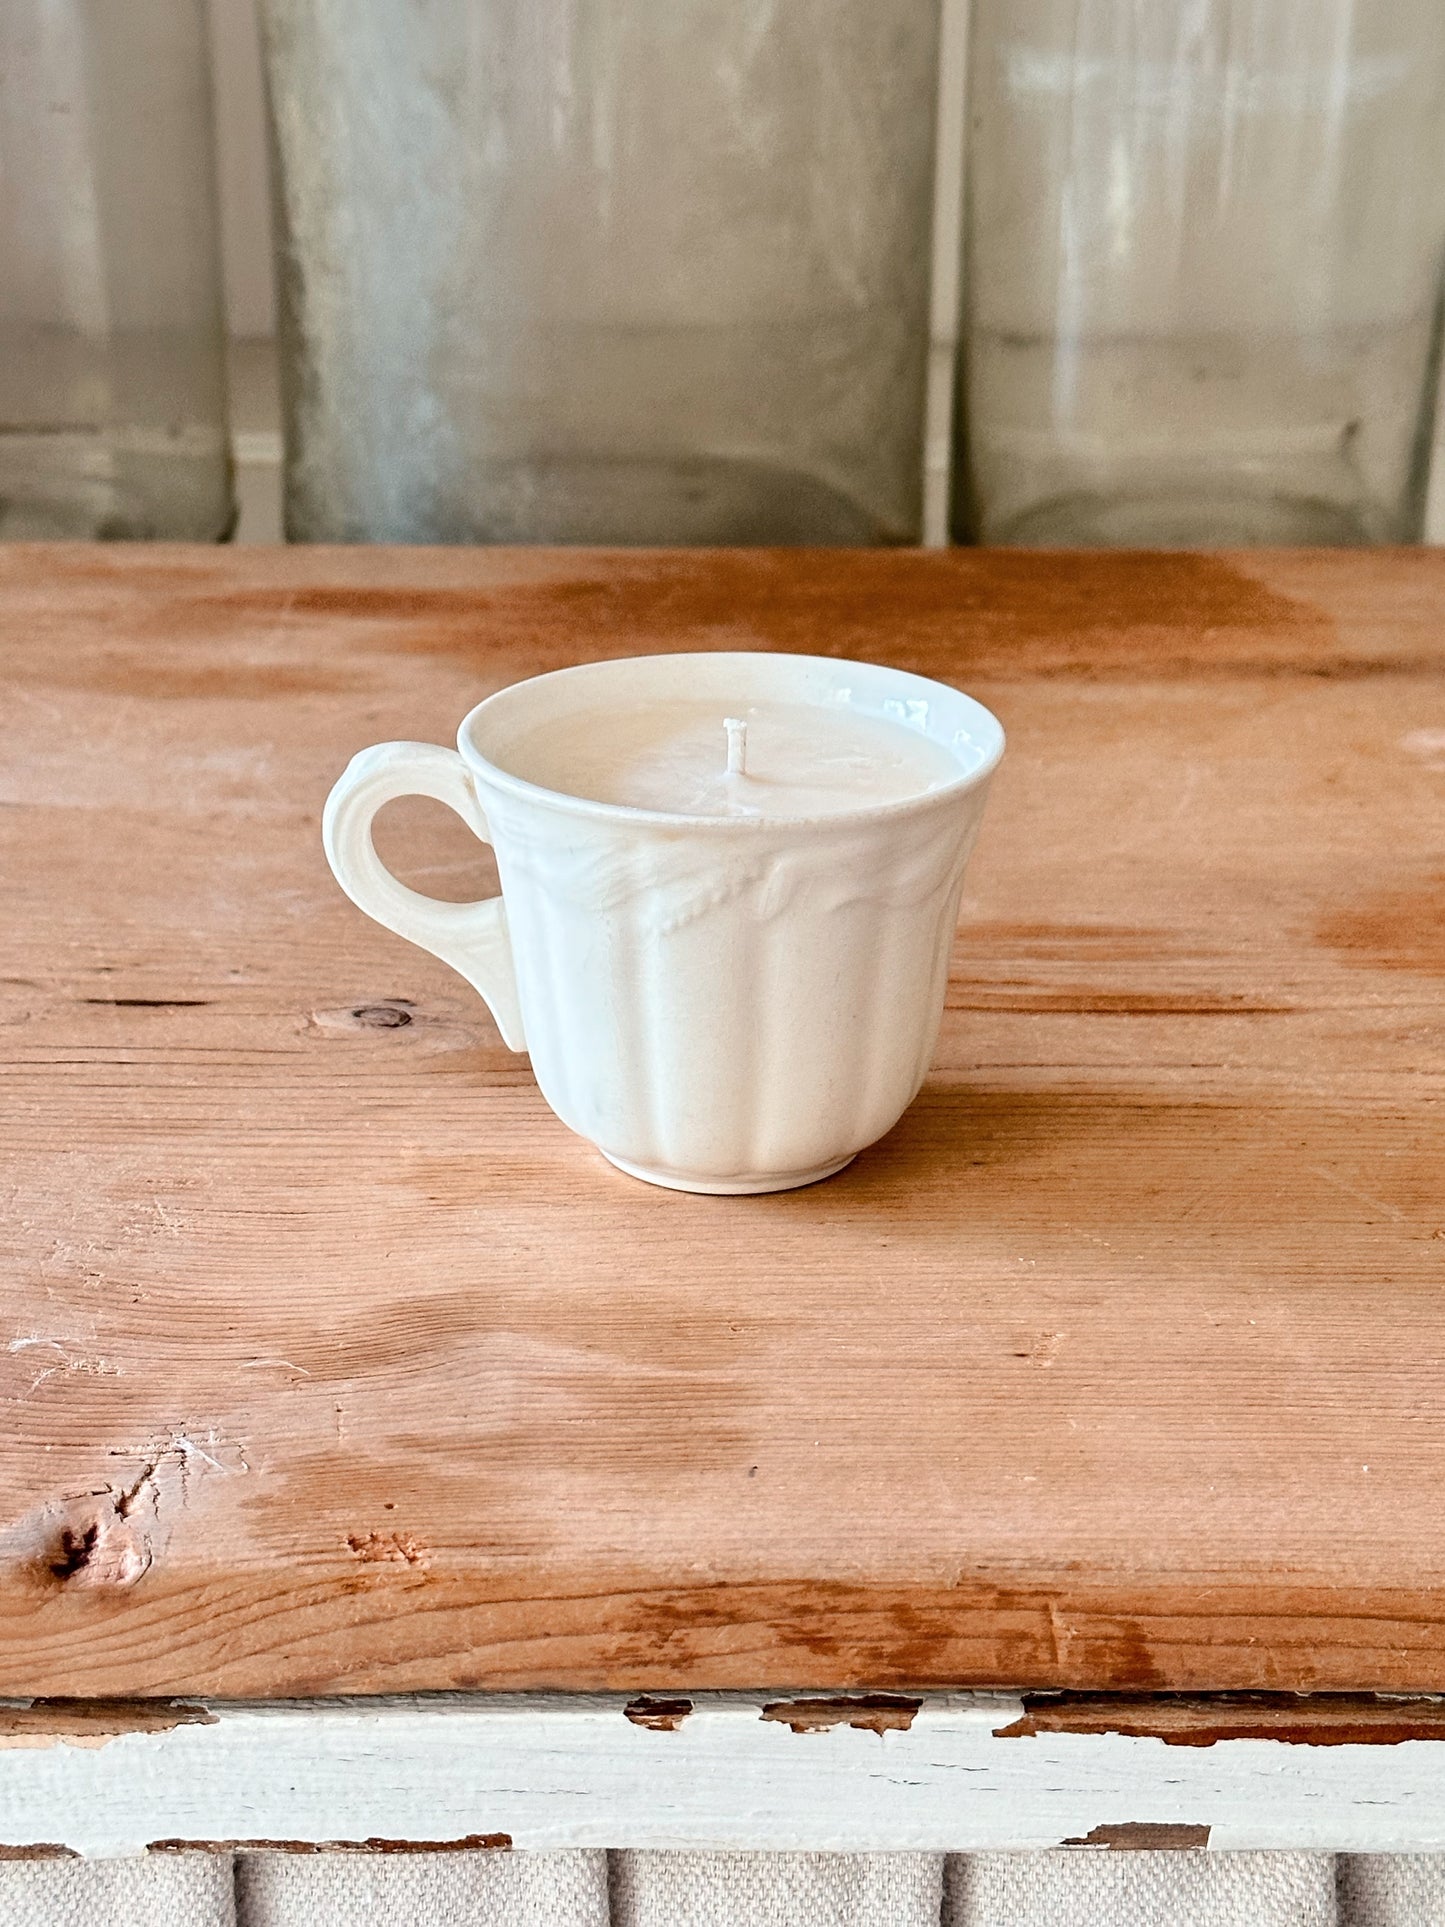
(871, 1712)
(61, 1362)
(1143, 1836)
(174, 1225)
(1364, 1197)
(656, 1714)
(150, 1003)
(1058, 1632)
(190, 1448)
(1187, 784)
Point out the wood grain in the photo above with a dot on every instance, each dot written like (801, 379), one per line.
(330, 1362)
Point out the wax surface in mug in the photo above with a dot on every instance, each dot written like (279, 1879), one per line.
(798, 759)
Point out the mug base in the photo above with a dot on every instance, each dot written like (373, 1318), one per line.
(730, 1187)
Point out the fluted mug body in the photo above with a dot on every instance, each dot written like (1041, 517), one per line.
(722, 1004)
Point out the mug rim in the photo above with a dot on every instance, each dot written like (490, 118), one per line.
(524, 790)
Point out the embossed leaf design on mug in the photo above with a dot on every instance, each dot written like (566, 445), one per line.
(729, 889)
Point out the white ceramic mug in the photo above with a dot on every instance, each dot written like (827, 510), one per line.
(720, 1004)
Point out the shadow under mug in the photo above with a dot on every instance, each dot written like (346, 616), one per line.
(720, 1004)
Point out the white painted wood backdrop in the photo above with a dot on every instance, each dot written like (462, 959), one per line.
(577, 1772)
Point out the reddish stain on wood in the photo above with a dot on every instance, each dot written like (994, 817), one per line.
(1393, 929)
(890, 604)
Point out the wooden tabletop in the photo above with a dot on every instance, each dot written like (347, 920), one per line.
(330, 1361)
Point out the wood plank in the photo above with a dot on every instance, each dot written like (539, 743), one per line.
(540, 1773)
(331, 1362)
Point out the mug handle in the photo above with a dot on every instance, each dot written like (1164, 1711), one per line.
(471, 937)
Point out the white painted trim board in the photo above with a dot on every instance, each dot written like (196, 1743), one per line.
(577, 1772)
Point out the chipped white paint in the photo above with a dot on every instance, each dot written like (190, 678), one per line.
(574, 1772)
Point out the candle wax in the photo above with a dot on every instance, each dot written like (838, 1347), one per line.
(801, 759)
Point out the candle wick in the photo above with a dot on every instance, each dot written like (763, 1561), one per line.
(737, 746)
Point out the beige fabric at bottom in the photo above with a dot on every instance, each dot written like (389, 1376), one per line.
(1077, 1889)
(1103, 1889)
(462, 1889)
(163, 1890)
(1392, 1889)
(776, 1889)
